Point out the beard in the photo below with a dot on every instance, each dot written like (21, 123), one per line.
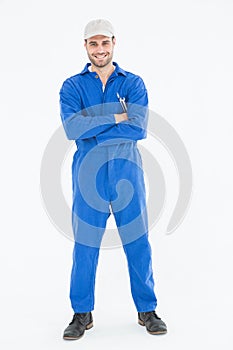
(102, 62)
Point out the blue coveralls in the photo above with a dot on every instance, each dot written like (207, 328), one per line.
(107, 172)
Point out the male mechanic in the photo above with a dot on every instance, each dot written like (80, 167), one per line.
(104, 109)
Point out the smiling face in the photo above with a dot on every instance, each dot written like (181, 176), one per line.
(100, 50)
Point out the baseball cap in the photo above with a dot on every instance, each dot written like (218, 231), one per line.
(98, 27)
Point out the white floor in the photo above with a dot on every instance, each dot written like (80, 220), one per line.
(193, 301)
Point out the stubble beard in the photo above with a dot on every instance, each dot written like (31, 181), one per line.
(97, 64)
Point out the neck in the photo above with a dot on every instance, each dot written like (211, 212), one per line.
(103, 72)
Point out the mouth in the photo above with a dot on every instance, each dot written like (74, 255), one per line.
(100, 57)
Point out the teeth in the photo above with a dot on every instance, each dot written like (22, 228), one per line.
(100, 56)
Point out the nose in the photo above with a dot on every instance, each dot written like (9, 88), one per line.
(100, 48)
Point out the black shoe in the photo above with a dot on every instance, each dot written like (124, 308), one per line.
(78, 325)
(154, 324)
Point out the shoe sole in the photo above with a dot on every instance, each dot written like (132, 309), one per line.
(88, 326)
(150, 332)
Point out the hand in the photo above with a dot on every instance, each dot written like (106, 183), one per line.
(121, 117)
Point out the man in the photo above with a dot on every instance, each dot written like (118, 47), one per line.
(104, 109)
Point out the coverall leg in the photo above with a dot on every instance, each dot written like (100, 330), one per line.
(132, 225)
(88, 227)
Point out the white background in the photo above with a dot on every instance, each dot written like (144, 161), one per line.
(184, 52)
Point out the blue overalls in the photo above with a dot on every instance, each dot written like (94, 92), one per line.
(107, 172)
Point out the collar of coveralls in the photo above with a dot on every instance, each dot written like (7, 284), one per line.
(117, 71)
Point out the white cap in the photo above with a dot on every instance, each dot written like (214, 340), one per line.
(98, 27)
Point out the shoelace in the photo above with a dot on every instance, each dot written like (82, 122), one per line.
(151, 314)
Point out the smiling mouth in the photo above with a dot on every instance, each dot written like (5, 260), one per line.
(100, 57)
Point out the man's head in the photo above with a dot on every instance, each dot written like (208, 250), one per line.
(99, 42)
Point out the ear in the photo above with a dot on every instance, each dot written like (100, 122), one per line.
(85, 43)
(114, 40)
